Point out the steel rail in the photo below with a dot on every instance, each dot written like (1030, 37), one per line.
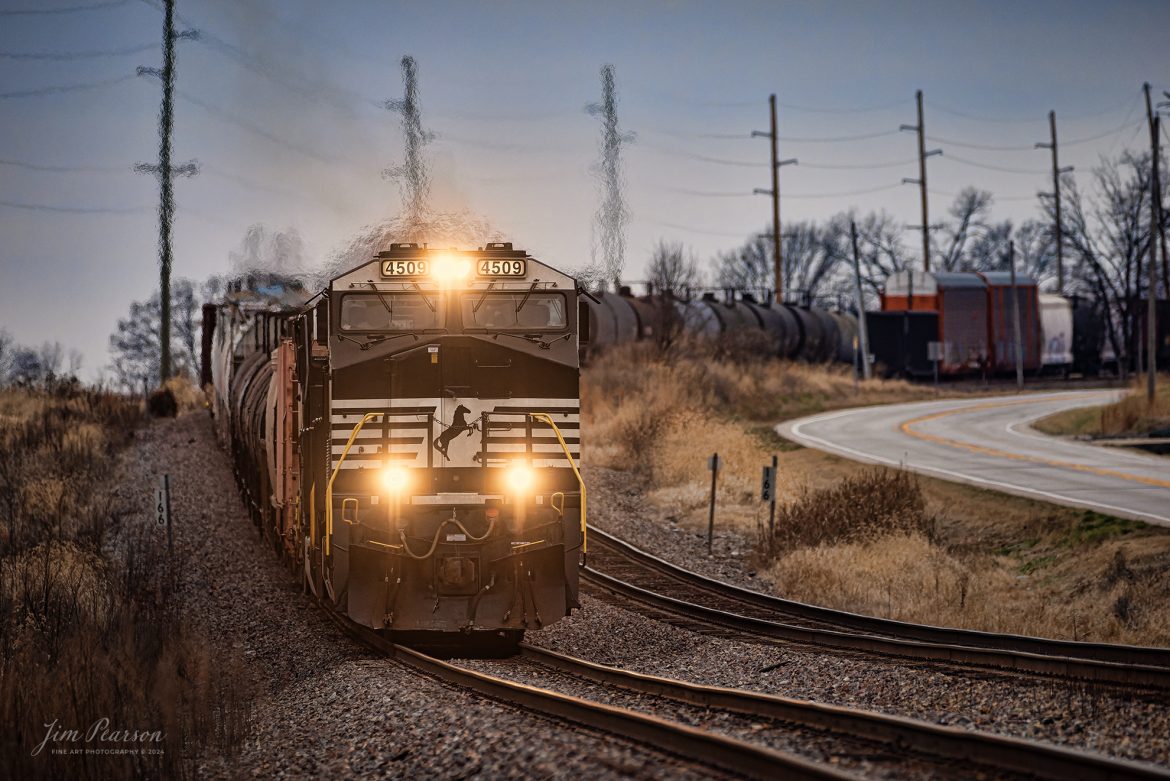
(709, 749)
(1110, 673)
(957, 745)
(1100, 652)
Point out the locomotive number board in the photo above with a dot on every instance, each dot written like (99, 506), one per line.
(405, 268)
(496, 267)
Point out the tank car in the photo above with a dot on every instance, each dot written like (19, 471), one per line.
(415, 436)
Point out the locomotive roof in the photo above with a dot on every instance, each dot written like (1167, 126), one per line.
(492, 249)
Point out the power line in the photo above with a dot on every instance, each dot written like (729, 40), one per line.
(65, 10)
(56, 89)
(836, 139)
(1027, 120)
(845, 194)
(827, 110)
(689, 229)
(781, 137)
(709, 193)
(995, 197)
(66, 169)
(42, 207)
(1002, 169)
(705, 158)
(1028, 147)
(983, 147)
(858, 166)
(85, 55)
(232, 119)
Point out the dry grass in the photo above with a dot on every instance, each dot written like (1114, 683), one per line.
(1130, 416)
(91, 614)
(863, 539)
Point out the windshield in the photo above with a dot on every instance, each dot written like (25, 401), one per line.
(514, 311)
(388, 312)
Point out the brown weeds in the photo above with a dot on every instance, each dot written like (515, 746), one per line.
(92, 627)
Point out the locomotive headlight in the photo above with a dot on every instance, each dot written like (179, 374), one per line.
(395, 479)
(519, 478)
(450, 270)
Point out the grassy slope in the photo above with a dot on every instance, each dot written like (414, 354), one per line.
(991, 561)
(1128, 417)
(92, 623)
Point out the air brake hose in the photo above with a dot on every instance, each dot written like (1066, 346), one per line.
(435, 542)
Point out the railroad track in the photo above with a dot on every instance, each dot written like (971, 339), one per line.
(708, 749)
(944, 751)
(621, 569)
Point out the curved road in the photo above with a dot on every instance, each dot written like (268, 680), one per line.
(987, 443)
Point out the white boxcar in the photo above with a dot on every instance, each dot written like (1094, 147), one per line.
(1056, 323)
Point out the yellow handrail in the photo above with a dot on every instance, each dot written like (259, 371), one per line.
(329, 488)
(544, 416)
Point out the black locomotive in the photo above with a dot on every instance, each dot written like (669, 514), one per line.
(409, 437)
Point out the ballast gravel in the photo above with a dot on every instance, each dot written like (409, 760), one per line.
(324, 706)
(1118, 723)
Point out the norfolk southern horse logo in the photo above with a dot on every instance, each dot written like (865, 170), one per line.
(458, 426)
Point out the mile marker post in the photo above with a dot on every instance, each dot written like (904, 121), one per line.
(713, 465)
(768, 494)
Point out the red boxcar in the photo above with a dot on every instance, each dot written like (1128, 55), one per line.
(961, 301)
(1001, 331)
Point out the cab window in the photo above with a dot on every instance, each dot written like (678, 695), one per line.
(514, 311)
(389, 312)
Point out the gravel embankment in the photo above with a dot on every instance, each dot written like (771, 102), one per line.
(325, 706)
(1066, 714)
(616, 505)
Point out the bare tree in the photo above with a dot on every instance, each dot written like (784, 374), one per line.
(749, 267)
(7, 348)
(673, 270)
(968, 218)
(134, 346)
(1108, 235)
(811, 256)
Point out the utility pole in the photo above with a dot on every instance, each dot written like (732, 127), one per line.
(777, 260)
(1056, 172)
(165, 172)
(1156, 235)
(862, 330)
(1016, 318)
(166, 206)
(1152, 286)
(920, 128)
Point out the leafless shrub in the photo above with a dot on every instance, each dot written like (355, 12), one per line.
(92, 626)
(862, 507)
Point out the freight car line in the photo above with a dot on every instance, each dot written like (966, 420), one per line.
(709, 749)
(1101, 663)
(1012, 755)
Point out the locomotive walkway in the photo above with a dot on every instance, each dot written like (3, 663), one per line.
(987, 443)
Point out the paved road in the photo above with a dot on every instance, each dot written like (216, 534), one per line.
(987, 442)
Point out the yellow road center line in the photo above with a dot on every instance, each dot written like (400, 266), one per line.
(989, 451)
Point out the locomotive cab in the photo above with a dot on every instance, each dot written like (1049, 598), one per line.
(441, 443)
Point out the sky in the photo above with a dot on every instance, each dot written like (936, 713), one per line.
(279, 104)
